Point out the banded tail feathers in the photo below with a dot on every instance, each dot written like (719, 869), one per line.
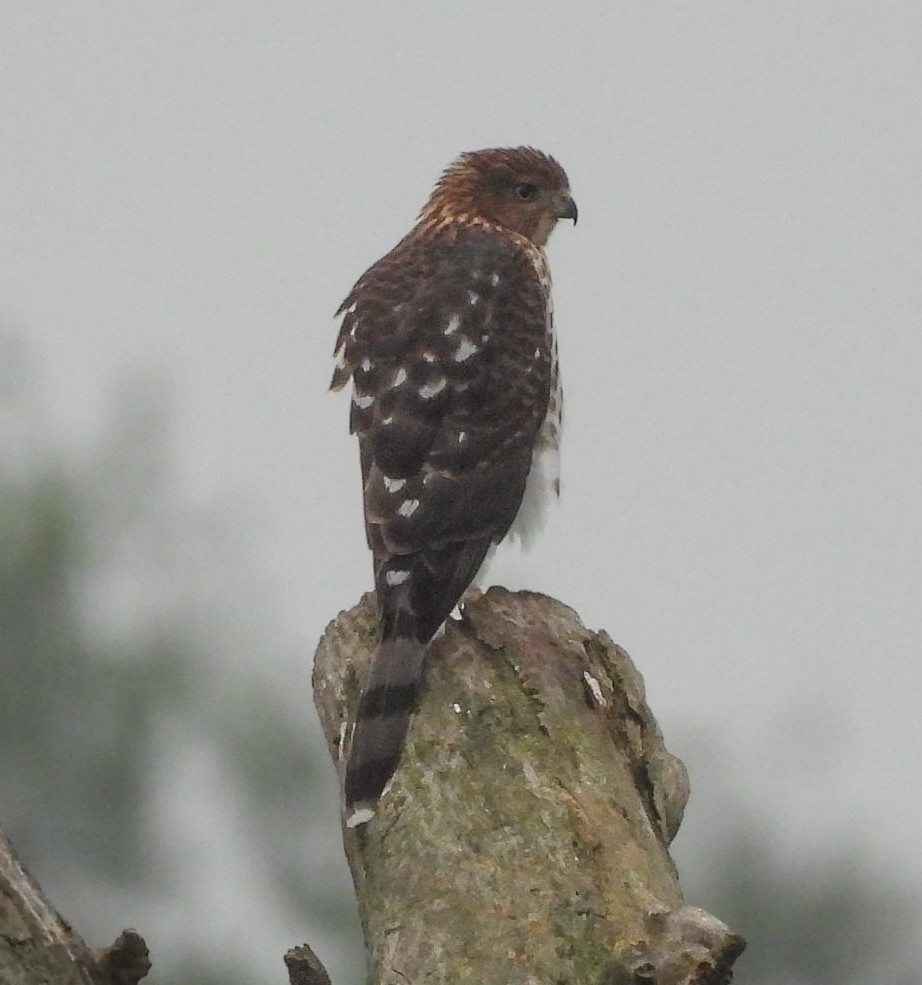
(381, 724)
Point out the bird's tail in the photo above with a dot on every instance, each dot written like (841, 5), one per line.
(415, 595)
(381, 724)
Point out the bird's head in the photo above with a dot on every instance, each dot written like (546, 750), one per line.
(518, 188)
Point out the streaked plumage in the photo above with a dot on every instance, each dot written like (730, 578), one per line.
(449, 343)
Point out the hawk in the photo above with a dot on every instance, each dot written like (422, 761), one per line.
(449, 343)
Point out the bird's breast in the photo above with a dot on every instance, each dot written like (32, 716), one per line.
(543, 483)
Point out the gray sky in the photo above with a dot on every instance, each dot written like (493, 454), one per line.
(193, 187)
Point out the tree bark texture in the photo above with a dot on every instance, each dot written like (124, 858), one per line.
(524, 837)
(39, 947)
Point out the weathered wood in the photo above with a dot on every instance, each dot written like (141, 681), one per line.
(524, 837)
(39, 947)
(304, 967)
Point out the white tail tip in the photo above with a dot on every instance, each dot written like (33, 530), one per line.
(360, 815)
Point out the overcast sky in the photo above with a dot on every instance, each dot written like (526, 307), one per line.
(191, 188)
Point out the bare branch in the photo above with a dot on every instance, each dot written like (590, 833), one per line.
(304, 967)
(38, 947)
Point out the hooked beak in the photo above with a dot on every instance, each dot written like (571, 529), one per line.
(567, 209)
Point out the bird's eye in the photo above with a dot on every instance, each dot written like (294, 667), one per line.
(525, 191)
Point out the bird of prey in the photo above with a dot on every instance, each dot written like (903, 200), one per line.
(449, 343)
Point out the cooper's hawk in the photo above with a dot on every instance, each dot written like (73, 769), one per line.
(449, 343)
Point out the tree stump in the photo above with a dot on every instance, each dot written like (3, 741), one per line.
(524, 837)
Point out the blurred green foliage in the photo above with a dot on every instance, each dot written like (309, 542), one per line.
(113, 682)
(75, 722)
(832, 919)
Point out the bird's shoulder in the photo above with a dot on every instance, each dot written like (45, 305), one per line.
(438, 282)
(464, 241)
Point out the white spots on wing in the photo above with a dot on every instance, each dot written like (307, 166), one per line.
(428, 390)
(362, 401)
(454, 323)
(408, 507)
(400, 378)
(394, 578)
(387, 420)
(465, 349)
(538, 353)
(393, 485)
(429, 357)
(494, 279)
(351, 309)
(473, 297)
(366, 364)
(456, 708)
(462, 437)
